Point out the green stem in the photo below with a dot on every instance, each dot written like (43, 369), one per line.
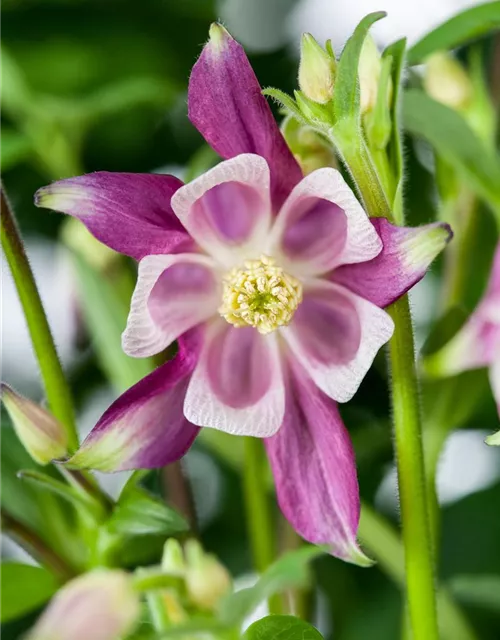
(259, 521)
(56, 387)
(406, 412)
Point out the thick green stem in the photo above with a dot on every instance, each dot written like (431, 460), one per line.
(259, 521)
(406, 412)
(56, 387)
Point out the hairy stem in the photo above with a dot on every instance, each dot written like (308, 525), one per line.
(56, 387)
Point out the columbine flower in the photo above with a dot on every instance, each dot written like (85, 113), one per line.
(477, 344)
(101, 605)
(273, 285)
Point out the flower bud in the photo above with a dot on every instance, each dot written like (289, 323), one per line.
(207, 580)
(79, 239)
(316, 70)
(369, 70)
(309, 149)
(101, 605)
(494, 440)
(43, 437)
(447, 82)
(172, 561)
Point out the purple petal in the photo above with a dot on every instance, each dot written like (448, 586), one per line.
(227, 107)
(173, 294)
(129, 212)
(227, 210)
(237, 386)
(314, 470)
(335, 335)
(145, 428)
(322, 225)
(406, 255)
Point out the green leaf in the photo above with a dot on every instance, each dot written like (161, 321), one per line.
(287, 102)
(346, 91)
(292, 570)
(106, 317)
(477, 590)
(454, 140)
(15, 148)
(397, 52)
(444, 330)
(458, 30)
(24, 588)
(281, 628)
(138, 513)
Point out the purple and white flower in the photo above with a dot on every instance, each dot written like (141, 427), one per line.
(272, 283)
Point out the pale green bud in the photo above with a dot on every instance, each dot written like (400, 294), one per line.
(369, 70)
(101, 605)
(43, 437)
(310, 150)
(494, 439)
(78, 238)
(207, 580)
(172, 561)
(447, 82)
(316, 70)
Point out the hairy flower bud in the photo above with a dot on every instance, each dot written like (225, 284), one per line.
(172, 561)
(43, 437)
(316, 70)
(446, 81)
(207, 580)
(101, 605)
(369, 70)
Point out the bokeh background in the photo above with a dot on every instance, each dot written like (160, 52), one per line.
(101, 85)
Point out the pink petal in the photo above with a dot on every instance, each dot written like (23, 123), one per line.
(129, 212)
(145, 428)
(227, 210)
(314, 470)
(406, 255)
(173, 294)
(237, 386)
(335, 335)
(334, 228)
(227, 107)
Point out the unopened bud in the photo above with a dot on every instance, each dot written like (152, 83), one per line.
(101, 605)
(494, 440)
(43, 437)
(369, 70)
(79, 239)
(316, 70)
(447, 82)
(310, 150)
(172, 561)
(207, 580)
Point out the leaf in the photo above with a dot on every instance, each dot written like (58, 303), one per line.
(106, 317)
(138, 513)
(24, 588)
(287, 102)
(291, 570)
(456, 31)
(346, 91)
(281, 628)
(477, 590)
(15, 148)
(443, 330)
(454, 140)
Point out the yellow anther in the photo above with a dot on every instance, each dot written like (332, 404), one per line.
(260, 295)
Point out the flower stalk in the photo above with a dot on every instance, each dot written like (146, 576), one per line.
(56, 386)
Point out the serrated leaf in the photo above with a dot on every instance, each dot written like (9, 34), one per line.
(106, 316)
(24, 588)
(346, 91)
(454, 140)
(279, 627)
(139, 513)
(458, 30)
(292, 570)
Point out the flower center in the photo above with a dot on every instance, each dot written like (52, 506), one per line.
(260, 295)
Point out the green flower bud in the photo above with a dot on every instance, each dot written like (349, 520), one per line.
(43, 437)
(494, 440)
(101, 605)
(310, 150)
(316, 70)
(369, 71)
(447, 82)
(78, 238)
(207, 580)
(172, 561)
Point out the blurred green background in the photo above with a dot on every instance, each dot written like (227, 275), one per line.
(101, 85)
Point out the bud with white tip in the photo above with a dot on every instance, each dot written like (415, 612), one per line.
(43, 437)
(207, 580)
(316, 70)
(101, 605)
(369, 71)
(447, 82)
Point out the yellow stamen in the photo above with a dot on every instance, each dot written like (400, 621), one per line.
(260, 295)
